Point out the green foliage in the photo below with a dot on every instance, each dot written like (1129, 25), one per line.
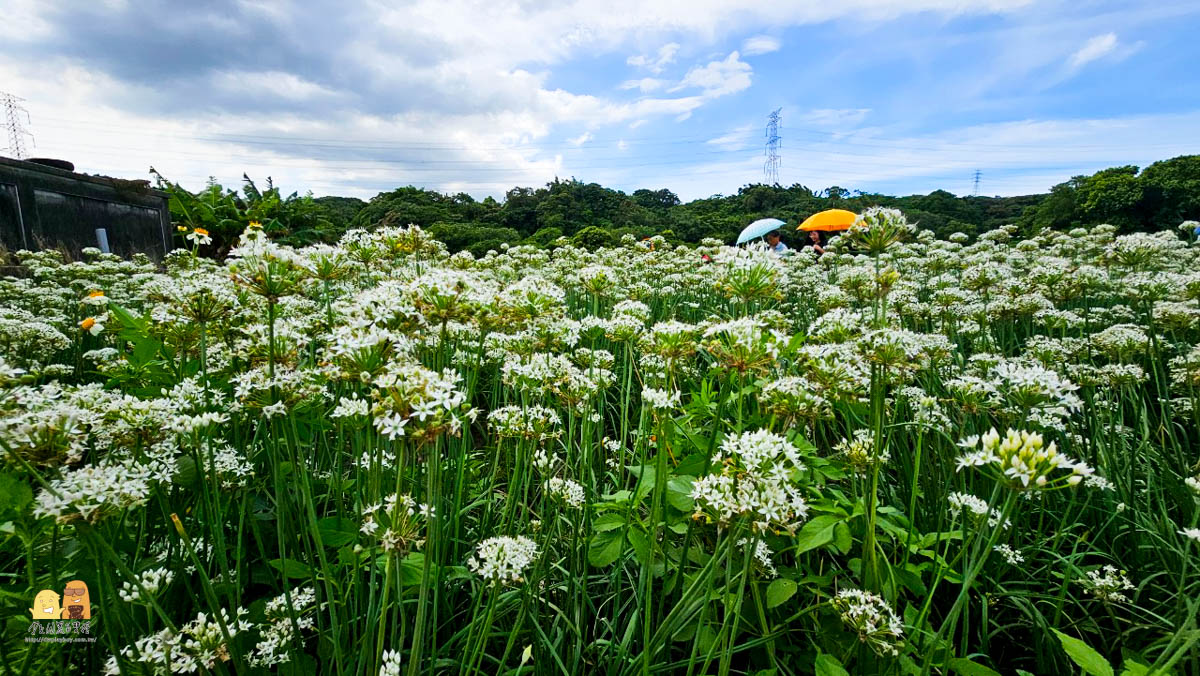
(224, 213)
(1084, 655)
(471, 236)
(593, 237)
(544, 237)
(1161, 196)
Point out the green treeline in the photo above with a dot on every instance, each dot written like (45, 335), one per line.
(1160, 196)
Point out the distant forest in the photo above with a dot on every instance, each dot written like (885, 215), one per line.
(1159, 196)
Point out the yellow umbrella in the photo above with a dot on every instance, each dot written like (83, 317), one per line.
(829, 220)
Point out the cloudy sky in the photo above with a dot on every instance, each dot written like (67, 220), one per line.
(353, 97)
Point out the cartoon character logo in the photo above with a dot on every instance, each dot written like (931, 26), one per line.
(45, 605)
(76, 604)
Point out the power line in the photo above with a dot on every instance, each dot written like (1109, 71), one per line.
(12, 121)
(771, 167)
(840, 138)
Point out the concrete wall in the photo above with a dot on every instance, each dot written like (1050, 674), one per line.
(48, 208)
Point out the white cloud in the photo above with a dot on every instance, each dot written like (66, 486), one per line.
(1017, 157)
(581, 139)
(834, 117)
(273, 83)
(1095, 48)
(718, 78)
(656, 64)
(739, 138)
(622, 145)
(760, 44)
(644, 85)
(442, 93)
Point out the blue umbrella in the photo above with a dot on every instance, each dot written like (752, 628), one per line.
(759, 228)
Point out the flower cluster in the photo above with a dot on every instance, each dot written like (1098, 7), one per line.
(503, 559)
(872, 618)
(977, 508)
(1023, 460)
(758, 479)
(1108, 584)
(149, 582)
(570, 492)
(526, 422)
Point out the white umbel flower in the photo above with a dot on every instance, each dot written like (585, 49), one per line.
(568, 491)
(872, 618)
(503, 559)
(151, 581)
(758, 479)
(660, 399)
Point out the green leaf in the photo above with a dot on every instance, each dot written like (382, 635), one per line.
(291, 567)
(605, 548)
(336, 531)
(647, 477)
(15, 495)
(412, 569)
(679, 493)
(608, 522)
(1084, 655)
(842, 540)
(185, 471)
(828, 665)
(816, 533)
(1132, 668)
(640, 544)
(965, 667)
(779, 591)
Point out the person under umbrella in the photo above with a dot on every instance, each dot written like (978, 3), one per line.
(774, 243)
(816, 240)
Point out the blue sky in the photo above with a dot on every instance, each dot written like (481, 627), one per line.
(361, 96)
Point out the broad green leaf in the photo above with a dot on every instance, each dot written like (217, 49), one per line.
(965, 667)
(608, 522)
(841, 538)
(336, 531)
(647, 478)
(15, 495)
(1132, 668)
(779, 591)
(1084, 655)
(679, 493)
(640, 544)
(291, 567)
(605, 548)
(828, 665)
(816, 533)
(412, 569)
(185, 471)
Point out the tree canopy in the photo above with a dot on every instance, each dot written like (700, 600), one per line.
(1159, 196)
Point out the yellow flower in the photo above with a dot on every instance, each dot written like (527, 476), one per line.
(87, 324)
(254, 224)
(201, 231)
(181, 228)
(96, 293)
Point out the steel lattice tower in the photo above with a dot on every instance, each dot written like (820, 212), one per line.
(771, 166)
(977, 175)
(12, 121)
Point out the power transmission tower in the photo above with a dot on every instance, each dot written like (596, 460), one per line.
(771, 166)
(12, 120)
(978, 173)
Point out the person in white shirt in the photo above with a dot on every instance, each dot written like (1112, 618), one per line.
(775, 244)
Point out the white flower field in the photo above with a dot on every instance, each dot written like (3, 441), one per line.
(907, 456)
